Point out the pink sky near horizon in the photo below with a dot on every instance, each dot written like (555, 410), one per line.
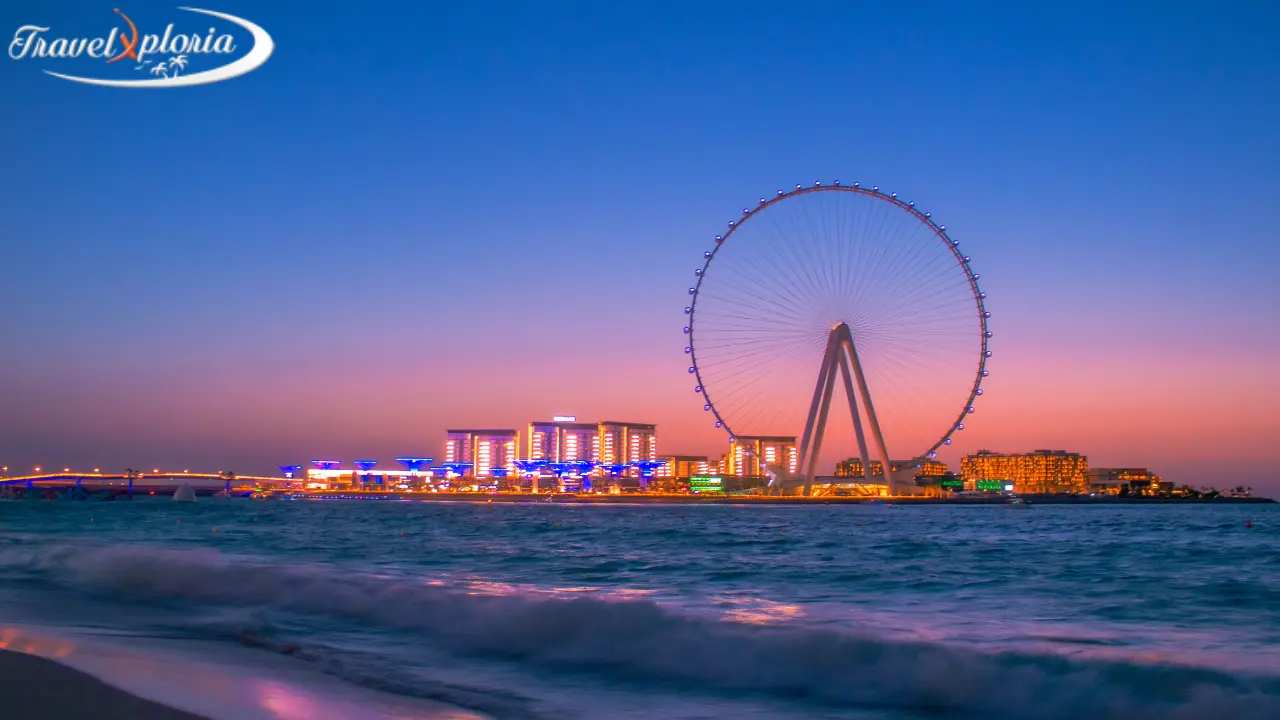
(1169, 414)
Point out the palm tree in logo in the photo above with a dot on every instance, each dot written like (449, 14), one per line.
(160, 69)
(176, 63)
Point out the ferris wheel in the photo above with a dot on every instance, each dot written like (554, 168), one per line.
(858, 287)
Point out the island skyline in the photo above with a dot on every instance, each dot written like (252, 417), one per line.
(514, 243)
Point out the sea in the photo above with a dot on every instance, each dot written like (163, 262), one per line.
(332, 609)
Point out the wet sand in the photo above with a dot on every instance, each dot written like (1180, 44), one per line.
(33, 688)
(46, 673)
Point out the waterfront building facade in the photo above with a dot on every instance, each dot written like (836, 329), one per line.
(683, 467)
(852, 468)
(751, 456)
(1137, 481)
(485, 450)
(607, 443)
(624, 443)
(335, 477)
(1040, 471)
(564, 441)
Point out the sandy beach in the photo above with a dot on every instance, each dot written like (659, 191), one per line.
(47, 674)
(34, 688)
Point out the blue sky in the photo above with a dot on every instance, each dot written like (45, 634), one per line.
(406, 192)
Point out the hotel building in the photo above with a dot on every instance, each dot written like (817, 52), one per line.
(852, 468)
(608, 443)
(1041, 471)
(1140, 481)
(622, 443)
(683, 467)
(564, 441)
(484, 449)
(748, 456)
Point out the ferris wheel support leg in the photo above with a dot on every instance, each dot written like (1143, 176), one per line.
(847, 338)
(805, 439)
(821, 429)
(857, 419)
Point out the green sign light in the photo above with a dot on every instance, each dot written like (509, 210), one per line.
(705, 485)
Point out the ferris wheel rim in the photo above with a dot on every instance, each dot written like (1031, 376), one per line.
(874, 192)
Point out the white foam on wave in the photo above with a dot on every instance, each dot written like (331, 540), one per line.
(642, 643)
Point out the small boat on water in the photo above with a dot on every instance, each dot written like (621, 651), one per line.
(1019, 504)
(185, 494)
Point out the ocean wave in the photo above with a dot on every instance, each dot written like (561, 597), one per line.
(641, 643)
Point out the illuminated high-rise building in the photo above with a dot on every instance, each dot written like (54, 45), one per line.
(578, 441)
(1040, 471)
(544, 441)
(683, 467)
(750, 456)
(624, 443)
(928, 468)
(484, 449)
(562, 440)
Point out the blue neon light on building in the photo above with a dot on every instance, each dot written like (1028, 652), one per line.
(414, 464)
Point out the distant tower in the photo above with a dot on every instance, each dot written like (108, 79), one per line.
(327, 464)
(290, 470)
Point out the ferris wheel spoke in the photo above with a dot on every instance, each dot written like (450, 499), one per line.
(788, 250)
(748, 283)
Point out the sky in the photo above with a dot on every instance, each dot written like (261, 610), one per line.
(426, 215)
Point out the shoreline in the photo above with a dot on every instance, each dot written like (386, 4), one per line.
(37, 688)
(637, 499)
(61, 673)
